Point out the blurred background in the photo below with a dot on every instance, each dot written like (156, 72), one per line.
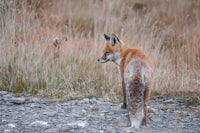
(50, 48)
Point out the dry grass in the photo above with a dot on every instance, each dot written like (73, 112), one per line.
(181, 114)
(168, 31)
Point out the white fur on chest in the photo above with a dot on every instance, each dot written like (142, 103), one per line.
(116, 58)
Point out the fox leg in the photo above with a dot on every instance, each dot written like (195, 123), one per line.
(124, 105)
(146, 99)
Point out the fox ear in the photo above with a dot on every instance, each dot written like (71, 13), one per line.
(114, 40)
(106, 37)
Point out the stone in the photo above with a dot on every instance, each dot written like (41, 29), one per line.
(84, 111)
(52, 130)
(169, 101)
(155, 111)
(50, 113)
(3, 92)
(101, 131)
(34, 99)
(156, 119)
(93, 100)
(39, 123)
(17, 100)
(7, 130)
(80, 124)
(11, 125)
(180, 100)
(8, 104)
(3, 121)
(8, 95)
(35, 105)
(85, 101)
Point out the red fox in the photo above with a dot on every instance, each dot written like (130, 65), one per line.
(136, 73)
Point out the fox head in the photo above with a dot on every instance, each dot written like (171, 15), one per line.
(111, 51)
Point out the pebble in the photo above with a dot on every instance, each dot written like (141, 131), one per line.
(39, 123)
(50, 113)
(17, 100)
(52, 130)
(92, 115)
(3, 92)
(11, 125)
(6, 130)
(180, 100)
(84, 101)
(169, 101)
(34, 100)
(80, 124)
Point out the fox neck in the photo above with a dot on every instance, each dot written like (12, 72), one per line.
(117, 58)
(118, 55)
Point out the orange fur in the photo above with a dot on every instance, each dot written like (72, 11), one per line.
(136, 70)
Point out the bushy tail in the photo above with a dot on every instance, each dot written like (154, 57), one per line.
(135, 101)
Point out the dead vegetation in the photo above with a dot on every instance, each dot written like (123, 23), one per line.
(168, 31)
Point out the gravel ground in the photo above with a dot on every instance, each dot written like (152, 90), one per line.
(27, 114)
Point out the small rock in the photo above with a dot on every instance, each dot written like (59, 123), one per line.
(102, 114)
(84, 111)
(169, 101)
(17, 100)
(3, 92)
(169, 111)
(52, 130)
(155, 111)
(160, 97)
(44, 101)
(8, 104)
(61, 125)
(84, 101)
(8, 95)
(129, 130)
(3, 121)
(101, 100)
(156, 119)
(93, 100)
(181, 113)
(101, 131)
(34, 99)
(180, 100)
(80, 124)
(65, 104)
(66, 127)
(50, 114)
(6, 130)
(39, 123)
(36, 105)
(105, 111)
(11, 125)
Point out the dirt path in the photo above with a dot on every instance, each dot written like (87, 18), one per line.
(31, 114)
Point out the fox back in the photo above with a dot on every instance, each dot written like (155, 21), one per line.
(136, 73)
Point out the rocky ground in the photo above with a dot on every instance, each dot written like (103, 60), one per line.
(27, 114)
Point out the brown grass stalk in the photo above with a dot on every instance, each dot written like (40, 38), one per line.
(166, 30)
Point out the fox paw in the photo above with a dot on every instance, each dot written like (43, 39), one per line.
(144, 122)
(124, 106)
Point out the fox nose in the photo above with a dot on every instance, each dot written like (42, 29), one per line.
(98, 60)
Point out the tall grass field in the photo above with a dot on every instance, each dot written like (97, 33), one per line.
(50, 48)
